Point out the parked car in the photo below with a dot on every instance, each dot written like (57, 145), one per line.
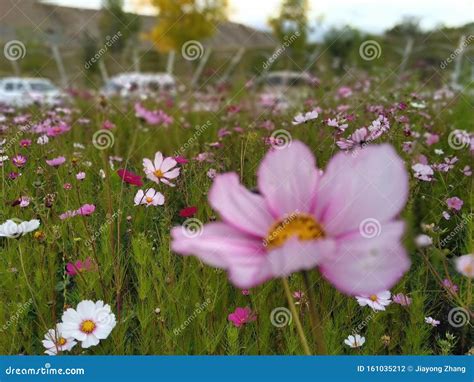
(22, 92)
(284, 89)
(131, 85)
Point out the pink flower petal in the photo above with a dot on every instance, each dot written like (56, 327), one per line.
(287, 177)
(371, 185)
(240, 207)
(364, 266)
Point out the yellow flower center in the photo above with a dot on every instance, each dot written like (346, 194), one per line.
(148, 199)
(87, 326)
(373, 298)
(61, 341)
(158, 173)
(300, 225)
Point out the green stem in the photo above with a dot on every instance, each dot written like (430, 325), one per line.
(316, 322)
(294, 312)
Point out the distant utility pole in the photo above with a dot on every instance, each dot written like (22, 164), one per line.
(60, 65)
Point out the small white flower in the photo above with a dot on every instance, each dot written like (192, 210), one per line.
(423, 241)
(89, 323)
(303, 118)
(43, 140)
(161, 170)
(439, 152)
(432, 321)
(354, 341)
(150, 198)
(55, 342)
(376, 301)
(12, 229)
(465, 265)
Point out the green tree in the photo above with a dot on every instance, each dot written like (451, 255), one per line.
(292, 21)
(115, 21)
(183, 20)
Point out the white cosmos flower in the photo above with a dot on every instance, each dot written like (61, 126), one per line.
(161, 170)
(14, 228)
(376, 301)
(89, 323)
(354, 341)
(55, 342)
(150, 198)
(303, 118)
(432, 321)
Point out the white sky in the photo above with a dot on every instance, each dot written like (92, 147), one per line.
(368, 15)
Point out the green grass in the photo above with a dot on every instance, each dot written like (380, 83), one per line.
(137, 273)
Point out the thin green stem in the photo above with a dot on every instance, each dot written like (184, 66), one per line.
(316, 322)
(294, 312)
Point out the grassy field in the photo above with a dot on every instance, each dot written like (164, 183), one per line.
(169, 304)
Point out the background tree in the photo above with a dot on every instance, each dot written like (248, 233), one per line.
(292, 20)
(113, 20)
(183, 20)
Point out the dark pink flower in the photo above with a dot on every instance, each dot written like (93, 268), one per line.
(72, 269)
(241, 316)
(188, 212)
(86, 210)
(19, 160)
(454, 203)
(130, 177)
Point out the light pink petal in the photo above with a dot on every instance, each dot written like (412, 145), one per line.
(159, 199)
(91, 340)
(218, 245)
(240, 207)
(168, 164)
(158, 160)
(166, 181)
(153, 178)
(148, 165)
(138, 197)
(371, 184)
(172, 174)
(287, 177)
(296, 255)
(363, 266)
(150, 193)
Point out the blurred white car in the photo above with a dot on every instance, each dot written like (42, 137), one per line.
(284, 89)
(131, 85)
(22, 92)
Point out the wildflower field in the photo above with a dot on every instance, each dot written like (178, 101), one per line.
(339, 225)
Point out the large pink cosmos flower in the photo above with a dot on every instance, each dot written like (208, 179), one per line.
(342, 221)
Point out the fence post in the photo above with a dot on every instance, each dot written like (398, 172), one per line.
(170, 62)
(60, 65)
(458, 63)
(200, 68)
(233, 63)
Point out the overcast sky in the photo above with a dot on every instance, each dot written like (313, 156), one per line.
(369, 15)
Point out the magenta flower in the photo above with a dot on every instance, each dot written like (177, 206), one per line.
(56, 162)
(61, 128)
(454, 203)
(342, 221)
(19, 160)
(85, 210)
(241, 316)
(72, 269)
(401, 299)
